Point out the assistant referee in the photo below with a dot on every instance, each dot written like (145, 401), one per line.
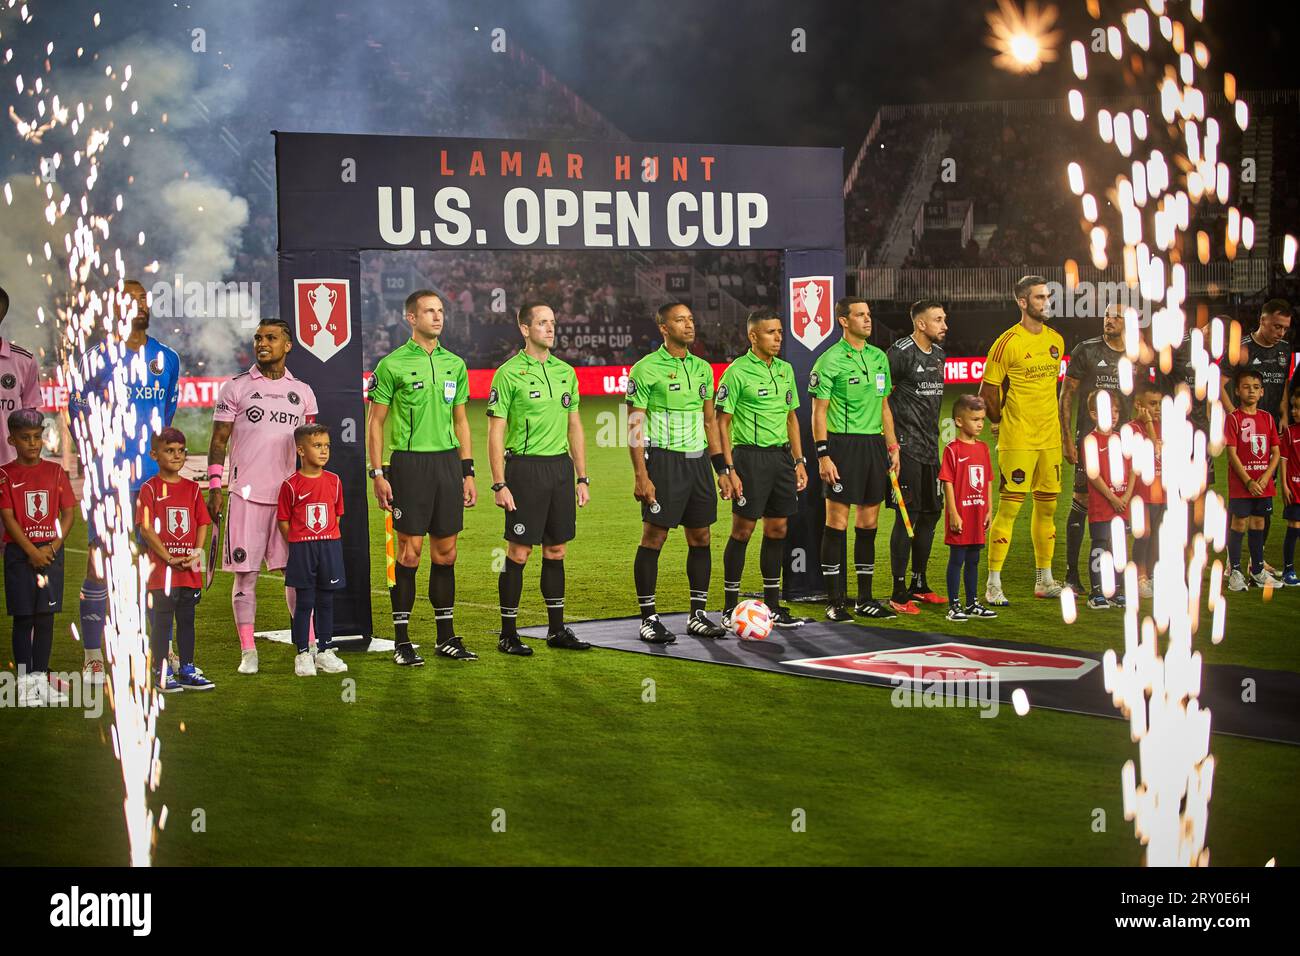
(429, 482)
(671, 426)
(856, 450)
(535, 442)
(765, 466)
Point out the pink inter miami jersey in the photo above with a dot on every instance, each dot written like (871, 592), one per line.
(265, 411)
(20, 387)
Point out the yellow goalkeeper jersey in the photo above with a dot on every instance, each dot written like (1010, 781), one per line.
(1027, 367)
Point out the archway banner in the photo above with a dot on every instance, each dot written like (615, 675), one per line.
(341, 194)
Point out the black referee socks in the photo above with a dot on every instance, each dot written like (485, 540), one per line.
(645, 573)
(552, 591)
(402, 596)
(864, 560)
(769, 566)
(699, 568)
(442, 594)
(510, 585)
(832, 555)
(733, 567)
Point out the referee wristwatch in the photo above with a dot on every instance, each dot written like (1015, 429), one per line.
(584, 480)
(498, 486)
(376, 473)
(801, 460)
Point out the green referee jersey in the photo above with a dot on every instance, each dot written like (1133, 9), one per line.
(672, 392)
(420, 389)
(535, 398)
(856, 383)
(759, 398)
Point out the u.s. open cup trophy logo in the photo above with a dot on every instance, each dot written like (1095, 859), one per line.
(810, 317)
(323, 316)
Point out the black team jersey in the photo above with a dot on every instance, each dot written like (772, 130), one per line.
(1183, 372)
(1274, 366)
(1094, 364)
(916, 399)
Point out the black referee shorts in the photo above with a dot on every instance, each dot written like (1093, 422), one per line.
(767, 482)
(684, 492)
(546, 511)
(863, 465)
(428, 492)
(920, 487)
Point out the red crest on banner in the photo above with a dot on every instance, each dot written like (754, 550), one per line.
(322, 316)
(957, 662)
(811, 315)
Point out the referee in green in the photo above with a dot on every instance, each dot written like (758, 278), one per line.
(535, 442)
(856, 450)
(671, 424)
(420, 389)
(765, 465)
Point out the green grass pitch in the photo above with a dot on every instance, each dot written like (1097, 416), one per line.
(563, 749)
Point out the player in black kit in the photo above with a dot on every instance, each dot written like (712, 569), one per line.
(1268, 351)
(1094, 363)
(916, 368)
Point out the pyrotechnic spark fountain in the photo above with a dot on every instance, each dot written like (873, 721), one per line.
(1024, 40)
(70, 145)
(1166, 165)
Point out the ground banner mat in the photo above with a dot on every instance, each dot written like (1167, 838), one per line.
(962, 664)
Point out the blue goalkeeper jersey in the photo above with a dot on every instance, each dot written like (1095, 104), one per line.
(150, 384)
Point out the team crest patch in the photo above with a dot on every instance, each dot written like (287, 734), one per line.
(178, 522)
(493, 397)
(810, 310)
(322, 315)
(1018, 476)
(157, 365)
(519, 529)
(566, 399)
(239, 554)
(1056, 353)
(294, 399)
(813, 381)
(254, 414)
(37, 504)
(8, 381)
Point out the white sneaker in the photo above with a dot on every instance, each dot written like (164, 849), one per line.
(50, 695)
(329, 662)
(1144, 588)
(93, 672)
(28, 695)
(1237, 581)
(303, 665)
(1047, 589)
(248, 661)
(994, 597)
(1265, 580)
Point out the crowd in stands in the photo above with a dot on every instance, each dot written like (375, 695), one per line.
(604, 302)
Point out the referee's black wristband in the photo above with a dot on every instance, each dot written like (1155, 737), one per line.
(822, 450)
(467, 467)
(719, 462)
